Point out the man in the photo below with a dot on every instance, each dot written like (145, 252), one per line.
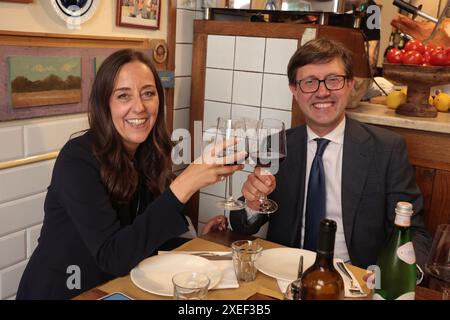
(360, 171)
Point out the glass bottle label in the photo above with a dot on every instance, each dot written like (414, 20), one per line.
(406, 253)
(405, 296)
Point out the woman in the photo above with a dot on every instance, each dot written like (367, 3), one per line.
(112, 200)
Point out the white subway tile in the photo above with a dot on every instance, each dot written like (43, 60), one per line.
(182, 92)
(218, 85)
(22, 213)
(276, 93)
(19, 182)
(284, 116)
(200, 227)
(249, 54)
(220, 52)
(208, 208)
(239, 178)
(12, 249)
(33, 234)
(186, 4)
(185, 26)
(13, 138)
(199, 15)
(51, 136)
(10, 278)
(247, 88)
(217, 189)
(278, 53)
(245, 111)
(181, 118)
(212, 110)
(183, 60)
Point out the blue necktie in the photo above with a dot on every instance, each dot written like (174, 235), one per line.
(315, 200)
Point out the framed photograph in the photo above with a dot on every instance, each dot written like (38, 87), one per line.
(20, 1)
(138, 13)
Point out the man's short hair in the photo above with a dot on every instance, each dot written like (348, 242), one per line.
(318, 51)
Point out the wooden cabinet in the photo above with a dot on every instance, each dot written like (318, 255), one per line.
(429, 153)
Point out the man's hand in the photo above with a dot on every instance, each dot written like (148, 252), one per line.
(258, 184)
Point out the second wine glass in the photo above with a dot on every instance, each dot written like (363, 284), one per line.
(227, 128)
(270, 152)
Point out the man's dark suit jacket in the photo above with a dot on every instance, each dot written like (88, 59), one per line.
(376, 174)
(84, 228)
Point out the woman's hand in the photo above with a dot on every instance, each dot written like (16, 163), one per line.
(206, 170)
(216, 223)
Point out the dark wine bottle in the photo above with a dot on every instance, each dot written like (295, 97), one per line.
(321, 281)
(397, 260)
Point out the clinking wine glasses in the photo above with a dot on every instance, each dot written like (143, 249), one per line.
(269, 151)
(228, 128)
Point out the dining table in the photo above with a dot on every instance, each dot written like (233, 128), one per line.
(263, 288)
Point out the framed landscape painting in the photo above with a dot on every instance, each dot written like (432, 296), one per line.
(138, 13)
(42, 81)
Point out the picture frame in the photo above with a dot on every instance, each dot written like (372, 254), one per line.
(143, 14)
(18, 1)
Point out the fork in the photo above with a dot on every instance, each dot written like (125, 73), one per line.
(353, 288)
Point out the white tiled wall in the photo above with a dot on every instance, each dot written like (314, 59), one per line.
(245, 76)
(252, 72)
(23, 189)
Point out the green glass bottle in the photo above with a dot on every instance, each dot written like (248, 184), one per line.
(397, 260)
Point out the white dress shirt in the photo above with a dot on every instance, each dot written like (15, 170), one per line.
(332, 164)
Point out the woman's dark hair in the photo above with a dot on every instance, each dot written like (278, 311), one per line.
(320, 50)
(152, 159)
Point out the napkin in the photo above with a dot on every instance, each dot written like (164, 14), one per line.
(228, 280)
(283, 284)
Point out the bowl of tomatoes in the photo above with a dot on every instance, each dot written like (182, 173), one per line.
(419, 67)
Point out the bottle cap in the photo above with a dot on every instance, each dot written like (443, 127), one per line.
(327, 236)
(404, 209)
(403, 213)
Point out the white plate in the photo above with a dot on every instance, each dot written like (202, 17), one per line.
(155, 274)
(282, 263)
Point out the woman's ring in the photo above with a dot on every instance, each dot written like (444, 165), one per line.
(222, 178)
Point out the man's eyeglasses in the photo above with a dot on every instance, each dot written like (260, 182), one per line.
(332, 83)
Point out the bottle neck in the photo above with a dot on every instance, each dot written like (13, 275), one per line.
(324, 259)
(325, 248)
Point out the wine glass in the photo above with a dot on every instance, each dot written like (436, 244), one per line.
(227, 128)
(438, 264)
(270, 152)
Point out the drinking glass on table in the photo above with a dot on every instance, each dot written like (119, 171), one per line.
(228, 128)
(270, 152)
(190, 285)
(438, 264)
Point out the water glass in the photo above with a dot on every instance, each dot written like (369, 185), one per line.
(190, 285)
(245, 253)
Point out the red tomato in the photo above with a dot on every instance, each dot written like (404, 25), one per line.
(415, 45)
(430, 48)
(439, 58)
(426, 64)
(394, 56)
(427, 56)
(412, 57)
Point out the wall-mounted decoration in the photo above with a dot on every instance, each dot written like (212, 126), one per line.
(75, 12)
(97, 63)
(18, 1)
(138, 13)
(41, 81)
